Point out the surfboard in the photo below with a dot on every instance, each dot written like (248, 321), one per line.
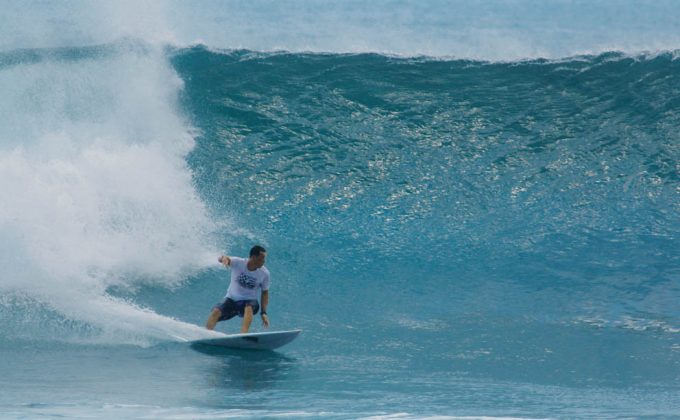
(255, 341)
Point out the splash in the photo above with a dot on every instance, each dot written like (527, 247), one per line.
(94, 188)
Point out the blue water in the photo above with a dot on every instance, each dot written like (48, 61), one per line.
(487, 234)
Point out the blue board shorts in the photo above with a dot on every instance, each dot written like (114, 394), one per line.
(230, 308)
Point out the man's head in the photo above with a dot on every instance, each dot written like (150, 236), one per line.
(258, 255)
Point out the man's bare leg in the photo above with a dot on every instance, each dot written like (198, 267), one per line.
(247, 319)
(213, 318)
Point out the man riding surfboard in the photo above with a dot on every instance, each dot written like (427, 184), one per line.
(247, 276)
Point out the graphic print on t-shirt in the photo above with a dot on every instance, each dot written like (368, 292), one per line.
(246, 281)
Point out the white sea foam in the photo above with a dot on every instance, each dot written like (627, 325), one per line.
(629, 323)
(95, 190)
(426, 325)
(140, 411)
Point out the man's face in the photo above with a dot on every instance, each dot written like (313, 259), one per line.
(259, 260)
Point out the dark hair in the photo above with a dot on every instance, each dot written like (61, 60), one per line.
(256, 251)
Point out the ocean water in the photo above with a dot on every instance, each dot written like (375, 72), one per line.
(470, 209)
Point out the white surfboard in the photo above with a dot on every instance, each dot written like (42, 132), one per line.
(257, 341)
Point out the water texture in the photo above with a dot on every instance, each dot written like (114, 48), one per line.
(459, 235)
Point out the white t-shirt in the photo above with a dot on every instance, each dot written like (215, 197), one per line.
(244, 283)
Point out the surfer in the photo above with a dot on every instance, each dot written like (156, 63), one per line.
(246, 277)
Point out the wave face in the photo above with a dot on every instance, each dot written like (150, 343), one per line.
(540, 189)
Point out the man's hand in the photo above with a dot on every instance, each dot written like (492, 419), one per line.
(265, 320)
(223, 259)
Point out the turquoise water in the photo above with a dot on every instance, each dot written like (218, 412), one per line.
(457, 235)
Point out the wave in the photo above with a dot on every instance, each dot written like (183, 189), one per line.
(129, 165)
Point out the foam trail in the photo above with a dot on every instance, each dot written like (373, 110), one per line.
(131, 324)
(94, 188)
